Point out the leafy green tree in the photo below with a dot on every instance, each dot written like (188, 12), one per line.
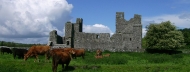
(186, 34)
(143, 43)
(164, 36)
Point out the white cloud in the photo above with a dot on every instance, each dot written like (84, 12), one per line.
(32, 19)
(184, 1)
(97, 28)
(180, 20)
(185, 16)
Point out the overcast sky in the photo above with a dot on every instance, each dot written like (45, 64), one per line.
(30, 21)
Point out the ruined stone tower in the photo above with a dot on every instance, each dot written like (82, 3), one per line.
(71, 29)
(128, 35)
(131, 31)
(55, 38)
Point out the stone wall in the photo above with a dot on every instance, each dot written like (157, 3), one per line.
(128, 36)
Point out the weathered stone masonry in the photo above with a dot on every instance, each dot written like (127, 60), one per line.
(127, 37)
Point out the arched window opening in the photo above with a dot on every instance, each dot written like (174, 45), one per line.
(67, 42)
(97, 36)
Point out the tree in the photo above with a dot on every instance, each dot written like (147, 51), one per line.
(186, 34)
(143, 43)
(163, 36)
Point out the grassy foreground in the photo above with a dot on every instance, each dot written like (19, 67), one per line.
(117, 62)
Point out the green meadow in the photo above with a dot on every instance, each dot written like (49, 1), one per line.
(117, 62)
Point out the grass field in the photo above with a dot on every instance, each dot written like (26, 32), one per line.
(117, 62)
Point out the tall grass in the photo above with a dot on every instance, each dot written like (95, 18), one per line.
(117, 62)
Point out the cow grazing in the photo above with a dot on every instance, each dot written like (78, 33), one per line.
(78, 53)
(19, 52)
(98, 52)
(7, 50)
(59, 57)
(106, 55)
(36, 50)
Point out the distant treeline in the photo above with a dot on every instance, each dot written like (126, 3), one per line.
(13, 44)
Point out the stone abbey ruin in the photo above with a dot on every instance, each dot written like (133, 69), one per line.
(127, 37)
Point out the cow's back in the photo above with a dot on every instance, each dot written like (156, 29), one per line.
(31, 49)
(39, 49)
(52, 52)
(42, 49)
(68, 49)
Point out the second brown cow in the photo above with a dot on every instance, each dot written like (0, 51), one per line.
(78, 53)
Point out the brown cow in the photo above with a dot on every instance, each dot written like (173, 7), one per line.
(59, 57)
(98, 57)
(106, 55)
(78, 53)
(98, 52)
(68, 50)
(62, 49)
(57, 49)
(35, 50)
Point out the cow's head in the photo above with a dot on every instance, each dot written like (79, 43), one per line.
(98, 52)
(26, 56)
(72, 52)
